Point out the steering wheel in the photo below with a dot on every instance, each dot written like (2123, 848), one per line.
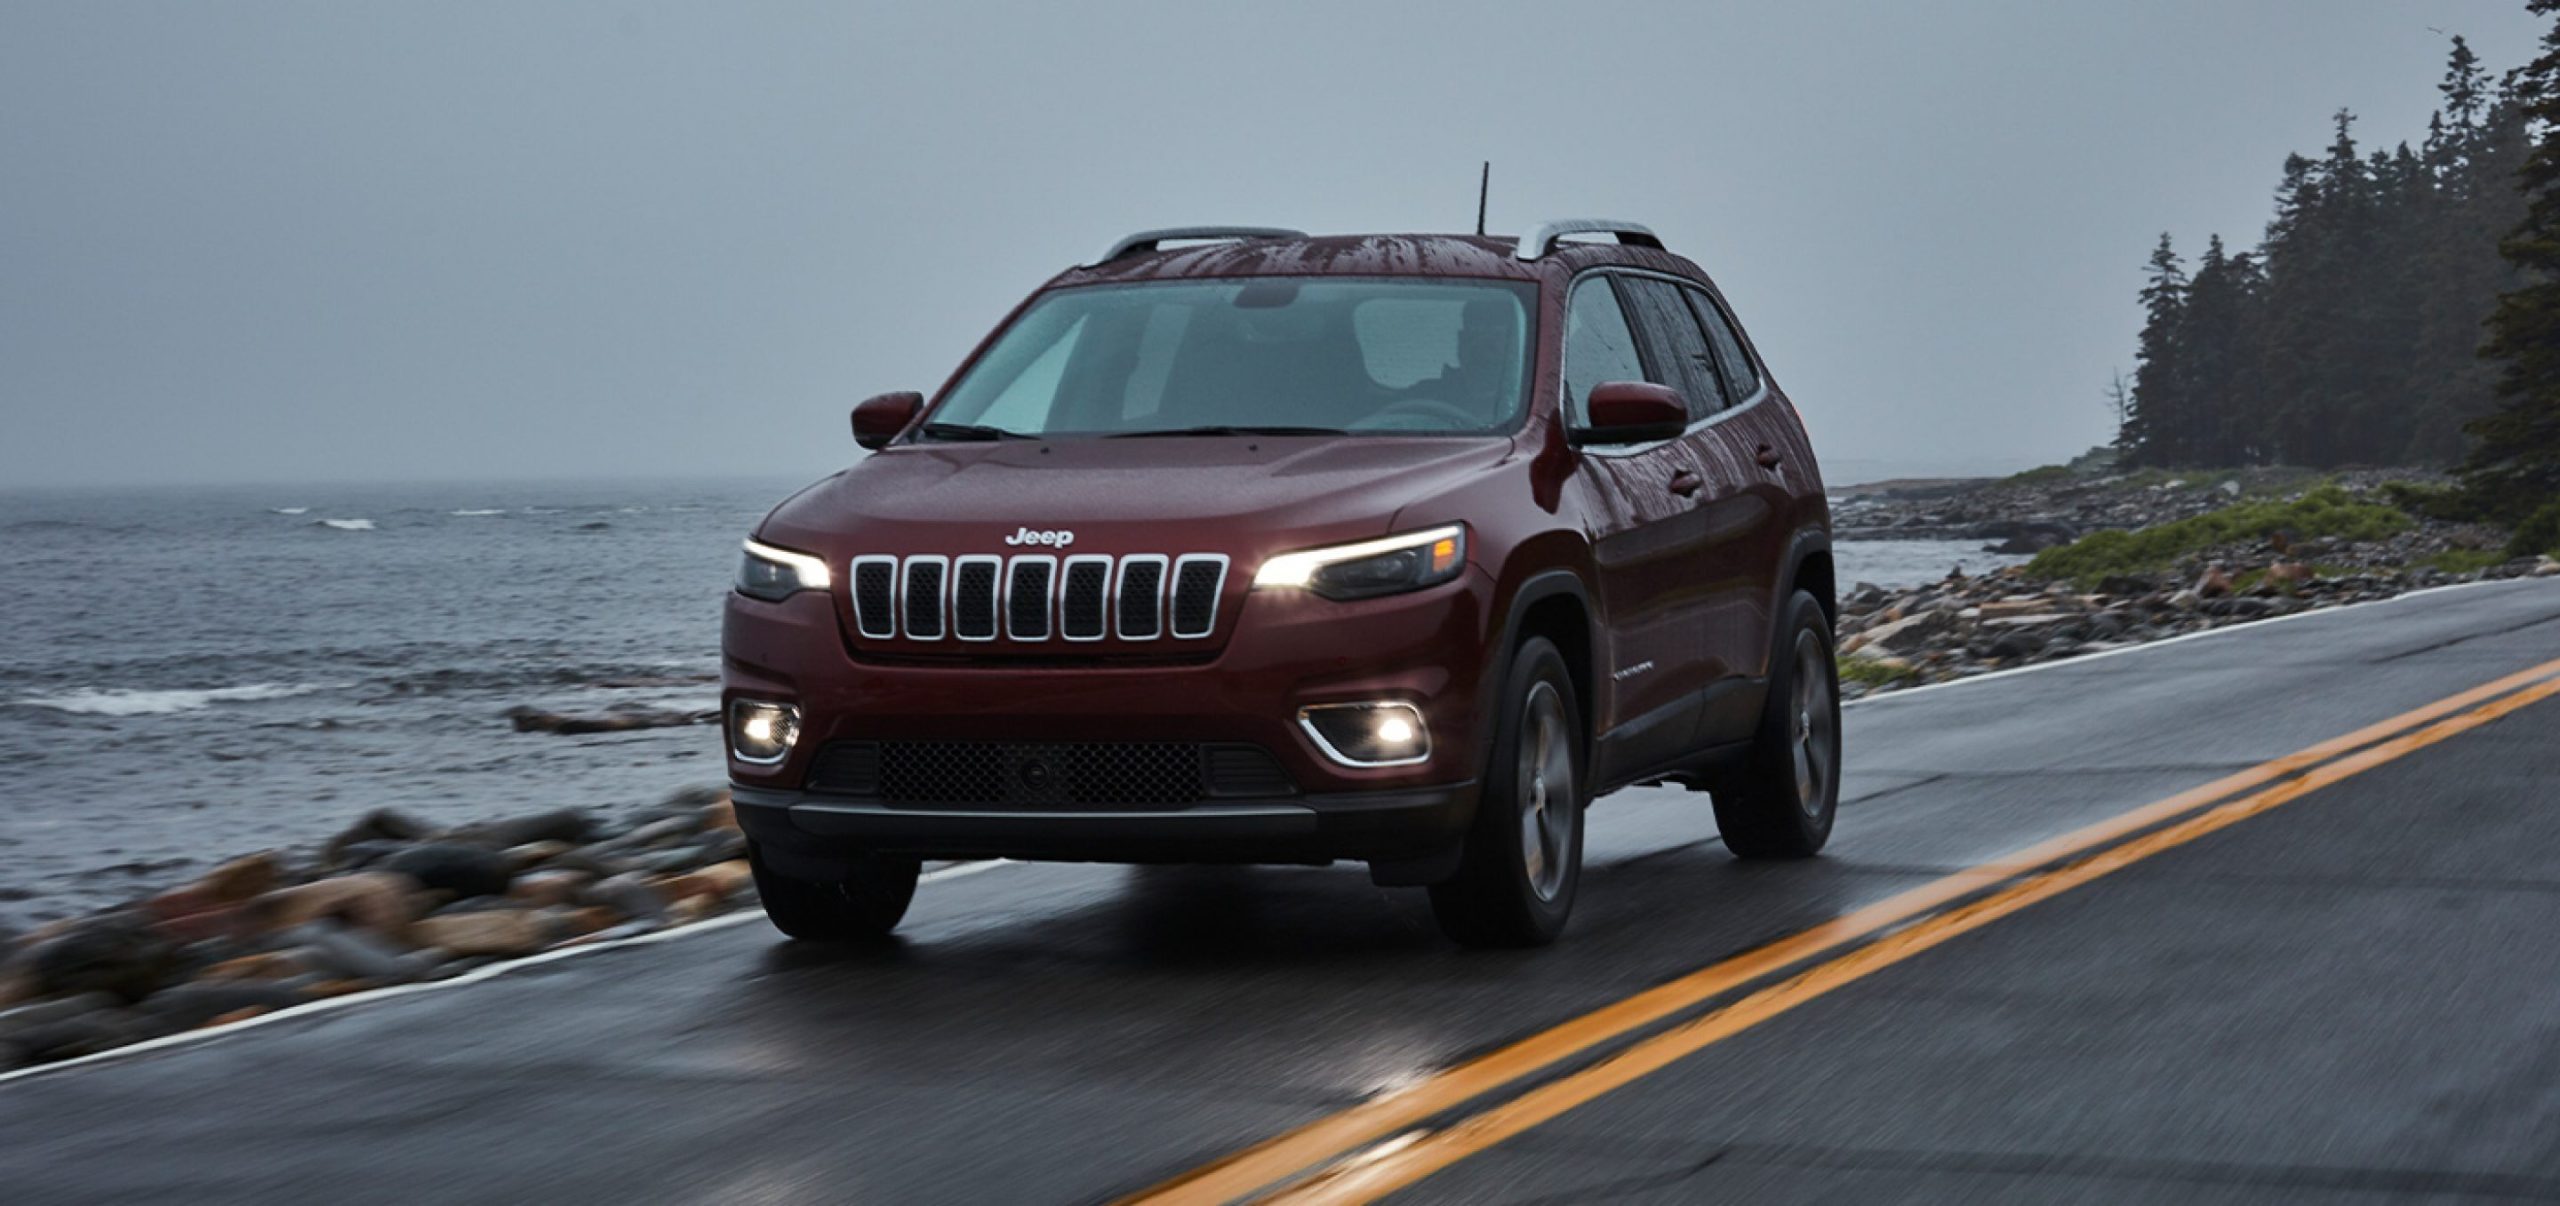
(1449, 414)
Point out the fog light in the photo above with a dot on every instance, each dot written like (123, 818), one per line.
(1368, 734)
(762, 733)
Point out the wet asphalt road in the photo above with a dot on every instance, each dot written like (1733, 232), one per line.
(2353, 997)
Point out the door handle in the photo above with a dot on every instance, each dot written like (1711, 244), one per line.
(1769, 457)
(1686, 483)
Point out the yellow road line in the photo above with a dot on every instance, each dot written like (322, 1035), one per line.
(1361, 1180)
(1297, 1152)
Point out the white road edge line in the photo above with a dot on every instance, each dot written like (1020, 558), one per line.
(962, 870)
(2103, 654)
(474, 976)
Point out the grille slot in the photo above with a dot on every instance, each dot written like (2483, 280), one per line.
(973, 597)
(1197, 579)
(1026, 599)
(875, 594)
(1080, 599)
(1141, 601)
(922, 599)
(1092, 775)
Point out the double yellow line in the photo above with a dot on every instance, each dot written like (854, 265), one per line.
(1384, 1144)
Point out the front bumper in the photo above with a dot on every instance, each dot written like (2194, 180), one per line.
(810, 834)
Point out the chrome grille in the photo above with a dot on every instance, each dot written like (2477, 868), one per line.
(1033, 598)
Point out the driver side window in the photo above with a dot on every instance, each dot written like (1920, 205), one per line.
(1598, 345)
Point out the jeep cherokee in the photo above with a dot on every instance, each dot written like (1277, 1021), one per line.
(1270, 548)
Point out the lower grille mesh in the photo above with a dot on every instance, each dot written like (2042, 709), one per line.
(1101, 775)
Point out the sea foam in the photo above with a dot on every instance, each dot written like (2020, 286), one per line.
(92, 701)
(348, 525)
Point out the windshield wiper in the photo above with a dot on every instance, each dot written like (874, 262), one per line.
(970, 431)
(1228, 430)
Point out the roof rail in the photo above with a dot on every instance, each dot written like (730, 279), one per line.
(1149, 240)
(1542, 240)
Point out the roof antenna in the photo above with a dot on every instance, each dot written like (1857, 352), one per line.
(1484, 184)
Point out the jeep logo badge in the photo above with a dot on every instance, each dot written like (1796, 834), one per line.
(1057, 538)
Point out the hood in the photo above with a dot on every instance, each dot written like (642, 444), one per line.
(1245, 496)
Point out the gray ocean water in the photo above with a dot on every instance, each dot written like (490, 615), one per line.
(190, 674)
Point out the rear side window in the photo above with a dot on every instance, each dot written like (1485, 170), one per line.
(1598, 345)
(1737, 362)
(1680, 356)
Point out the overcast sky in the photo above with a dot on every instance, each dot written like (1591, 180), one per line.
(341, 241)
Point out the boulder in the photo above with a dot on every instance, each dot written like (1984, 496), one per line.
(542, 889)
(558, 825)
(486, 932)
(2127, 585)
(2288, 574)
(629, 894)
(378, 902)
(715, 883)
(117, 953)
(535, 720)
(2214, 584)
(242, 879)
(380, 825)
(534, 854)
(335, 950)
(462, 870)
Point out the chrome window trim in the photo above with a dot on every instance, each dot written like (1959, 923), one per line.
(1048, 598)
(1119, 625)
(1421, 725)
(942, 597)
(996, 597)
(1217, 595)
(853, 588)
(1108, 581)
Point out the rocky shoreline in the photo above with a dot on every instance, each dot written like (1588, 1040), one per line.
(389, 900)
(2056, 607)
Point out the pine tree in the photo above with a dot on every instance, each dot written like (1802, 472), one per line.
(2162, 419)
(2515, 468)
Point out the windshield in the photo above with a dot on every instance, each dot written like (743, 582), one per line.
(1277, 355)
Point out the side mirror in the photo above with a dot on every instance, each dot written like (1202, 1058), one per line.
(1633, 412)
(878, 419)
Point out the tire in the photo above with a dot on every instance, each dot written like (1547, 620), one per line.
(863, 906)
(1523, 856)
(1782, 803)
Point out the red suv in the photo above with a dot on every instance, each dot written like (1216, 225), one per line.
(1277, 549)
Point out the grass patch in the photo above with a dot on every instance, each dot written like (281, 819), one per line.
(2327, 513)
(2465, 561)
(1872, 673)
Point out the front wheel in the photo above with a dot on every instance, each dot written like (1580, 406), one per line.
(1523, 858)
(1782, 803)
(866, 903)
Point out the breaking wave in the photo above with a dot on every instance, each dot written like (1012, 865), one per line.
(348, 525)
(480, 511)
(290, 510)
(92, 701)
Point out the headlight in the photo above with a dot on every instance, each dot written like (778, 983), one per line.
(761, 732)
(770, 573)
(1372, 567)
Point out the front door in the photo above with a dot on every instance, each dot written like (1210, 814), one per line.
(1644, 548)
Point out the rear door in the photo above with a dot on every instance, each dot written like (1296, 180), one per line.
(1729, 521)
(1644, 547)
(1747, 453)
